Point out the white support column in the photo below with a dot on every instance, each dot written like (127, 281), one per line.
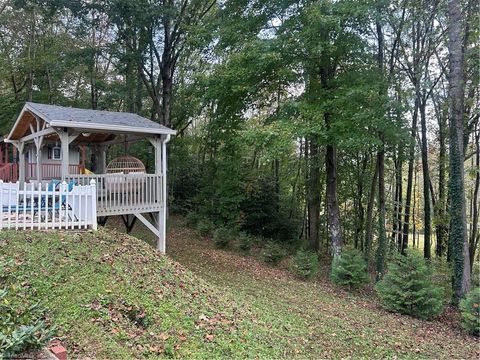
(161, 218)
(38, 147)
(161, 169)
(65, 145)
(102, 159)
(21, 162)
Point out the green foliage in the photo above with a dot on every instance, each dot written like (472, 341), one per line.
(205, 227)
(192, 218)
(350, 269)
(304, 264)
(476, 274)
(223, 236)
(185, 177)
(262, 213)
(273, 252)
(470, 309)
(407, 287)
(245, 241)
(22, 327)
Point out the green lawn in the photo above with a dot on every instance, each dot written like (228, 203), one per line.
(111, 295)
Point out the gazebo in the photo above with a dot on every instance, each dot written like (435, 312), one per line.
(130, 194)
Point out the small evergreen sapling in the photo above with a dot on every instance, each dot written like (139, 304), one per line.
(304, 264)
(205, 227)
(407, 287)
(470, 309)
(350, 269)
(192, 218)
(273, 253)
(245, 241)
(222, 237)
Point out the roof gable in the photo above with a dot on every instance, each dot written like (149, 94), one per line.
(100, 120)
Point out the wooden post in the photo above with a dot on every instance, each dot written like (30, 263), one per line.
(93, 198)
(21, 162)
(65, 145)
(83, 151)
(102, 160)
(161, 169)
(38, 147)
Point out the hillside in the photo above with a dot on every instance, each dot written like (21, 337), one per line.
(111, 295)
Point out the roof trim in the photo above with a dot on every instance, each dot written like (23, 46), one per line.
(113, 128)
(90, 126)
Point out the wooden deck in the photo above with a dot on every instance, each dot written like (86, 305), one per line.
(123, 194)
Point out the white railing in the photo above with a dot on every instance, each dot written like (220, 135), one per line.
(48, 206)
(119, 194)
(50, 171)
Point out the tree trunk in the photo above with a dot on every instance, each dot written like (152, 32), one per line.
(360, 208)
(458, 214)
(396, 238)
(369, 225)
(333, 210)
(441, 228)
(426, 183)
(411, 162)
(167, 84)
(382, 235)
(313, 197)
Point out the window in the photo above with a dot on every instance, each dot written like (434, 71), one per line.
(54, 153)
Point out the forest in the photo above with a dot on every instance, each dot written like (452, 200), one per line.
(344, 129)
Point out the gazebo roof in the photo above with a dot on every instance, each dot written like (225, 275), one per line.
(84, 120)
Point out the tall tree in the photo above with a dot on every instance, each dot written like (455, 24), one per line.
(458, 215)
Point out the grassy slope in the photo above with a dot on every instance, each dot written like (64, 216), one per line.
(111, 295)
(316, 320)
(98, 289)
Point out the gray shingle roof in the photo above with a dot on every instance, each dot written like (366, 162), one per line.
(75, 117)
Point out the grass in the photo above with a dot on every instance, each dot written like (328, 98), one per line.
(113, 296)
(315, 319)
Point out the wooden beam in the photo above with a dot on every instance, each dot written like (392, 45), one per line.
(35, 135)
(147, 223)
(121, 141)
(72, 138)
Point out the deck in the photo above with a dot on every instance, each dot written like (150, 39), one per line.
(123, 194)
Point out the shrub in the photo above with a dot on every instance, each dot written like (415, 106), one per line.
(470, 309)
(407, 287)
(273, 253)
(245, 241)
(204, 227)
(192, 219)
(304, 264)
(222, 237)
(21, 325)
(350, 269)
